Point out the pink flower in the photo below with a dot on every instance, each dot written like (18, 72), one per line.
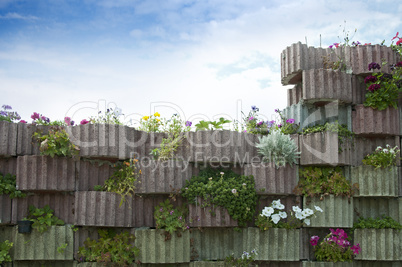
(290, 121)
(356, 249)
(67, 120)
(314, 240)
(399, 41)
(22, 121)
(84, 121)
(35, 116)
(396, 36)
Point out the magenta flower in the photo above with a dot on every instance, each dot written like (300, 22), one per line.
(356, 249)
(22, 121)
(84, 121)
(370, 79)
(290, 121)
(251, 118)
(374, 87)
(188, 123)
(67, 120)
(35, 116)
(279, 125)
(314, 240)
(260, 123)
(399, 64)
(396, 36)
(373, 66)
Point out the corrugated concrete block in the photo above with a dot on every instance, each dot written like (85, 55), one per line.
(162, 177)
(155, 249)
(271, 180)
(44, 264)
(326, 85)
(210, 216)
(8, 165)
(222, 146)
(377, 206)
(299, 57)
(145, 142)
(338, 211)
(8, 139)
(327, 264)
(358, 58)
(366, 145)
(368, 121)
(5, 209)
(26, 145)
(359, 90)
(91, 174)
(309, 115)
(44, 173)
(104, 140)
(377, 263)
(325, 149)
(61, 203)
(43, 246)
(388, 244)
(295, 94)
(372, 182)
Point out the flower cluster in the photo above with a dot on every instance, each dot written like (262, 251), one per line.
(272, 216)
(245, 260)
(170, 218)
(287, 126)
(150, 123)
(7, 115)
(335, 247)
(373, 66)
(110, 117)
(253, 124)
(399, 42)
(382, 157)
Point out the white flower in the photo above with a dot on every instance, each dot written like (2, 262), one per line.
(267, 211)
(245, 255)
(318, 208)
(117, 112)
(234, 191)
(378, 148)
(283, 214)
(299, 215)
(296, 209)
(392, 151)
(387, 145)
(222, 173)
(307, 221)
(385, 150)
(275, 218)
(308, 211)
(275, 203)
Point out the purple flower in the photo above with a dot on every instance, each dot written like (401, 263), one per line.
(373, 66)
(3, 113)
(260, 123)
(7, 107)
(251, 118)
(279, 125)
(67, 120)
(171, 212)
(84, 121)
(370, 79)
(72, 123)
(290, 121)
(254, 108)
(188, 123)
(374, 87)
(45, 119)
(277, 110)
(399, 64)
(188, 227)
(161, 210)
(35, 116)
(245, 131)
(180, 218)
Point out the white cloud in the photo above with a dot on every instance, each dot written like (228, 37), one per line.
(13, 15)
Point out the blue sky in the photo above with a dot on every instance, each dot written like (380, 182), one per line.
(201, 59)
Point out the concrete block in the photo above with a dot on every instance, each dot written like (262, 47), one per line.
(388, 244)
(375, 183)
(8, 139)
(368, 121)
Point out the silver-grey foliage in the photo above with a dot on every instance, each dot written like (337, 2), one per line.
(278, 148)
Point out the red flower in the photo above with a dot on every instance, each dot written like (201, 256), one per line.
(399, 41)
(396, 36)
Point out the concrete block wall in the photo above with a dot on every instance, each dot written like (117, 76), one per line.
(320, 95)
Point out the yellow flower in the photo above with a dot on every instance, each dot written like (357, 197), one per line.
(158, 120)
(145, 118)
(157, 114)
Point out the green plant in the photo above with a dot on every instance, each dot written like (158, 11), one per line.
(383, 222)
(252, 124)
(278, 148)
(8, 185)
(10, 116)
(150, 123)
(42, 218)
(110, 117)
(342, 130)
(62, 248)
(245, 260)
(110, 247)
(5, 251)
(56, 143)
(219, 187)
(174, 128)
(123, 180)
(274, 216)
(317, 181)
(215, 125)
(335, 247)
(169, 218)
(382, 157)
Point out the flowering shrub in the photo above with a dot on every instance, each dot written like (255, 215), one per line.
(245, 260)
(169, 218)
(7, 115)
(382, 157)
(287, 126)
(226, 189)
(316, 181)
(150, 123)
(278, 148)
(335, 247)
(275, 215)
(252, 124)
